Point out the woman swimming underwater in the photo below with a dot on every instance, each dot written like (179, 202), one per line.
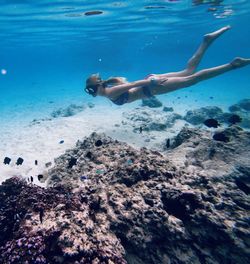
(119, 91)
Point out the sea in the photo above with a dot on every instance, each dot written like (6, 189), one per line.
(148, 186)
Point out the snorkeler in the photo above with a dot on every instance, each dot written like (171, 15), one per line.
(119, 91)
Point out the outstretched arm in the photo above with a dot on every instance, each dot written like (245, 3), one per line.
(115, 81)
(117, 90)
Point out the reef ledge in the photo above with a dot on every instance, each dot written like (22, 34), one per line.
(107, 202)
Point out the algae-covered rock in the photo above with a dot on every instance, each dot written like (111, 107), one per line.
(117, 204)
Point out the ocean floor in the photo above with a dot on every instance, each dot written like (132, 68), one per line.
(39, 140)
(107, 202)
(144, 183)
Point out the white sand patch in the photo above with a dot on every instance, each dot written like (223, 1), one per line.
(41, 141)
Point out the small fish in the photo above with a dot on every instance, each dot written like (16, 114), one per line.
(212, 9)
(92, 13)
(129, 162)
(40, 176)
(36, 162)
(211, 123)
(140, 129)
(168, 143)
(48, 164)
(234, 119)
(41, 214)
(7, 160)
(19, 161)
(83, 178)
(221, 137)
(154, 7)
(98, 171)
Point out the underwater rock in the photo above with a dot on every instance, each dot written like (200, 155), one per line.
(68, 111)
(234, 108)
(198, 116)
(167, 109)
(242, 109)
(142, 208)
(152, 102)
(91, 105)
(198, 149)
(244, 104)
(184, 135)
(52, 227)
(72, 162)
(243, 119)
(150, 119)
(234, 119)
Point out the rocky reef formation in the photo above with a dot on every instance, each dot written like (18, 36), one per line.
(197, 150)
(152, 102)
(242, 109)
(68, 111)
(198, 116)
(110, 203)
(150, 119)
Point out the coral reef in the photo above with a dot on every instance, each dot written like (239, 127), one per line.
(152, 102)
(68, 111)
(150, 120)
(51, 226)
(198, 149)
(116, 204)
(242, 108)
(198, 116)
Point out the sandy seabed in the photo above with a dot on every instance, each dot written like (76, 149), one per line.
(40, 140)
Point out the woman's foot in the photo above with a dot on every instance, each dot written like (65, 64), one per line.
(210, 37)
(239, 62)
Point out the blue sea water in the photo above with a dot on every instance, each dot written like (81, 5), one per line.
(49, 48)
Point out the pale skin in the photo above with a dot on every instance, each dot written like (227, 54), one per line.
(168, 82)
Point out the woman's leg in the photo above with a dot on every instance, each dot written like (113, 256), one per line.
(175, 83)
(196, 58)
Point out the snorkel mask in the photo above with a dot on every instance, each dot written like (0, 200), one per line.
(92, 84)
(91, 90)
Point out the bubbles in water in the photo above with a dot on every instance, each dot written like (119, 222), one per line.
(3, 72)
